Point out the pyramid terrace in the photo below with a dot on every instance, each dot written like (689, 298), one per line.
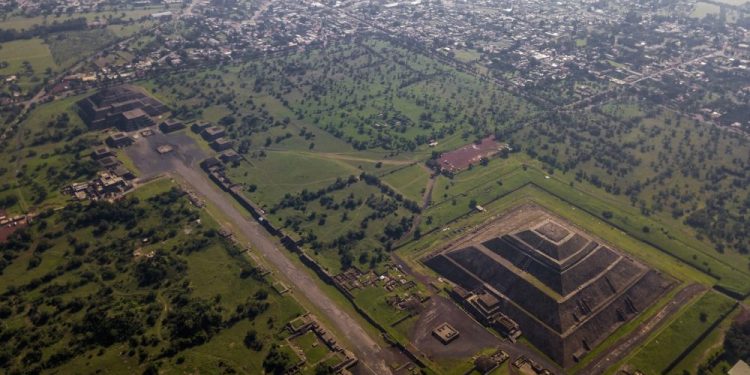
(564, 290)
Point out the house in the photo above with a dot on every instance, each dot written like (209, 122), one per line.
(162, 16)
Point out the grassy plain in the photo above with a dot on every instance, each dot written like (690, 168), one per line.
(35, 52)
(50, 156)
(25, 23)
(685, 331)
(410, 181)
(69, 47)
(211, 273)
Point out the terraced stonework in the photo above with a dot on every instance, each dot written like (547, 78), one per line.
(566, 289)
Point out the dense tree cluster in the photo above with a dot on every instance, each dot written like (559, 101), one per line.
(55, 26)
(737, 342)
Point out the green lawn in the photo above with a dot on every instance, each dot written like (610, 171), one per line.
(682, 333)
(314, 349)
(35, 52)
(286, 172)
(410, 181)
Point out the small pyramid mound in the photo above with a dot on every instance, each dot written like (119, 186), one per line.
(567, 291)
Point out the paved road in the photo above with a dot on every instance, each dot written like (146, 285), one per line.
(367, 350)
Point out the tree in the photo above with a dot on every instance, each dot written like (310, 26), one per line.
(737, 342)
(323, 369)
(251, 341)
(277, 361)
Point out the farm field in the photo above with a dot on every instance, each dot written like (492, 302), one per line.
(35, 60)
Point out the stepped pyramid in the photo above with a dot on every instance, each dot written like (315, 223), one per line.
(124, 106)
(566, 290)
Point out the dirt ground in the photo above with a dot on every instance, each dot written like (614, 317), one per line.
(460, 159)
(472, 336)
(150, 163)
(7, 230)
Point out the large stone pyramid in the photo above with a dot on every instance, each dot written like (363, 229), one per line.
(566, 290)
(123, 106)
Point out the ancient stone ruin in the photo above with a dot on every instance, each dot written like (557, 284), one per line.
(566, 290)
(125, 107)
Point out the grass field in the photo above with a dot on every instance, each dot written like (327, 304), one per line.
(284, 172)
(703, 9)
(710, 345)
(67, 48)
(410, 181)
(682, 333)
(35, 52)
(21, 23)
(212, 273)
(51, 157)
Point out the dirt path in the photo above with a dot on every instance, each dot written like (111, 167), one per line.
(372, 356)
(618, 351)
(335, 156)
(427, 197)
(426, 200)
